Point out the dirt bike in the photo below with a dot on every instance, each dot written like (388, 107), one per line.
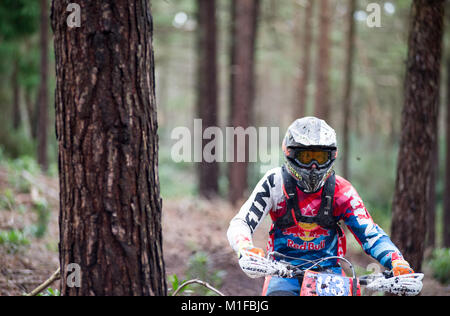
(325, 283)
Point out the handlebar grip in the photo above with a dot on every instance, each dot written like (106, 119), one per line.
(363, 282)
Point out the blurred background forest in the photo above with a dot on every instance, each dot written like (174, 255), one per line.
(28, 148)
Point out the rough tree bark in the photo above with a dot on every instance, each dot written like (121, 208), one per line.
(208, 172)
(419, 129)
(322, 106)
(348, 85)
(243, 37)
(42, 113)
(106, 124)
(300, 107)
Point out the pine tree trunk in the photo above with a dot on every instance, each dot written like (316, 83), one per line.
(419, 130)
(30, 107)
(244, 25)
(348, 85)
(16, 119)
(106, 123)
(322, 106)
(446, 224)
(42, 113)
(208, 172)
(300, 108)
(431, 212)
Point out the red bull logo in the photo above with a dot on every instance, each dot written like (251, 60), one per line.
(306, 231)
(306, 245)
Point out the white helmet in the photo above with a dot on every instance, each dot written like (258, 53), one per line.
(310, 149)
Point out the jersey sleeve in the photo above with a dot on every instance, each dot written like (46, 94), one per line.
(372, 238)
(252, 212)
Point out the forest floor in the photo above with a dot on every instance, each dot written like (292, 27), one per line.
(190, 227)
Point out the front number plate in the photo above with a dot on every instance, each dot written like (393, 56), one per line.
(324, 284)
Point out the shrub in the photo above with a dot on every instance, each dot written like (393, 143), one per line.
(50, 292)
(200, 267)
(13, 240)
(7, 201)
(440, 264)
(42, 210)
(17, 143)
(175, 284)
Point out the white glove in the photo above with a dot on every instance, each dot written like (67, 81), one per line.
(406, 284)
(256, 266)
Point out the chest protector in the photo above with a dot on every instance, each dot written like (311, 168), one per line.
(293, 215)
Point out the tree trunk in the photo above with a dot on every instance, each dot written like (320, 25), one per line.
(431, 211)
(348, 85)
(300, 107)
(42, 114)
(16, 119)
(322, 106)
(419, 130)
(30, 107)
(243, 37)
(208, 172)
(106, 124)
(446, 224)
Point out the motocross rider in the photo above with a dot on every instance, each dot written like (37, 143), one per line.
(295, 196)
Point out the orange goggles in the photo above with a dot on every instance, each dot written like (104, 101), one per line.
(306, 157)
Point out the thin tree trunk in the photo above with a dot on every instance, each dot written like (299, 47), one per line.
(446, 224)
(322, 106)
(244, 25)
(431, 213)
(348, 86)
(30, 107)
(106, 123)
(208, 172)
(300, 108)
(42, 115)
(419, 130)
(16, 119)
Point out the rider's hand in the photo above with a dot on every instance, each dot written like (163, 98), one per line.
(249, 259)
(256, 251)
(400, 267)
(247, 247)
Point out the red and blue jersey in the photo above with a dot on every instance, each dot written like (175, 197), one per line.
(309, 241)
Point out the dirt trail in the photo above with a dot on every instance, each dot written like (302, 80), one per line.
(22, 271)
(189, 227)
